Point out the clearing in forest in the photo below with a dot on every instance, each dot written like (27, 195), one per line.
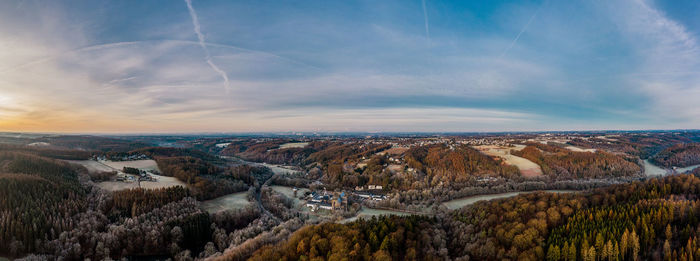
(527, 168)
(139, 164)
(118, 166)
(577, 149)
(290, 145)
(231, 201)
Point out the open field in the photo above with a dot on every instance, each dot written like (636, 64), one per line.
(653, 170)
(139, 164)
(577, 149)
(686, 169)
(294, 145)
(393, 151)
(527, 168)
(223, 145)
(366, 213)
(461, 202)
(106, 166)
(117, 185)
(92, 166)
(231, 201)
(98, 166)
(289, 192)
(162, 182)
(39, 144)
(395, 168)
(278, 169)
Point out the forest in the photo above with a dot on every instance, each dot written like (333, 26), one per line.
(271, 152)
(643, 145)
(50, 152)
(457, 163)
(679, 155)
(38, 197)
(92, 143)
(651, 220)
(206, 180)
(51, 209)
(384, 238)
(561, 163)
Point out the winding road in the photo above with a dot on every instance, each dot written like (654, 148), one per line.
(258, 192)
(258, 189)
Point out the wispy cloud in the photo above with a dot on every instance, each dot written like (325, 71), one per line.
(202, 43)
(305, 69)
(517, 37)
(669, 54)
(425, 18)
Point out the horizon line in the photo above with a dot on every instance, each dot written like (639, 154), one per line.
(291, 132)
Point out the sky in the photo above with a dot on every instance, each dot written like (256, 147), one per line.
(373, 66)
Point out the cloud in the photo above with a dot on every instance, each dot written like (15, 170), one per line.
(669, 72)
(425, 18)
(515, 40)
(347, 71)
(200, 37)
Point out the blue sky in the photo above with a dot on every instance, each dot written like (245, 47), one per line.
(238, 66)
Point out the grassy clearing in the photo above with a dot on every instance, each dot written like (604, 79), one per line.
(527, 168)
(289, 192)
(92, 166)
(462, 202)
(139, 164)
(113, 185)
(231, 201)
(577, 149)
(393, 151)
(294, 145)
(367, 213)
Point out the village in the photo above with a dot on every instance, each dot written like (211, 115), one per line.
(335, 201)
(129, 174)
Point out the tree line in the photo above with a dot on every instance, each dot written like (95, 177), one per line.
(679, 155)
(654, 219)
(561, 163)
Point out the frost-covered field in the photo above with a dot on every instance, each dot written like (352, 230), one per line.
(366, 213)
(231, 201)
(289, 192)
(139, 164)
(92, 166)
(294, 145)
(465, 201)
(161, 182)
(107, 166)
(577, 149)
(527, 168)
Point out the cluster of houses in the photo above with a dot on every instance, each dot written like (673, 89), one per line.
(487, 179)
(334, 201)
(120, 158)
(131, 178)
(327, 201)
(368, 187)
(142, 176)
(369, 192)
(370, 196)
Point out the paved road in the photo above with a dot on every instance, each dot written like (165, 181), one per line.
(258, 189)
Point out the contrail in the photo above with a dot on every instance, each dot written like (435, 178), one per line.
(427, 25)
(98, 47)
(200, 36)
(520, 33)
